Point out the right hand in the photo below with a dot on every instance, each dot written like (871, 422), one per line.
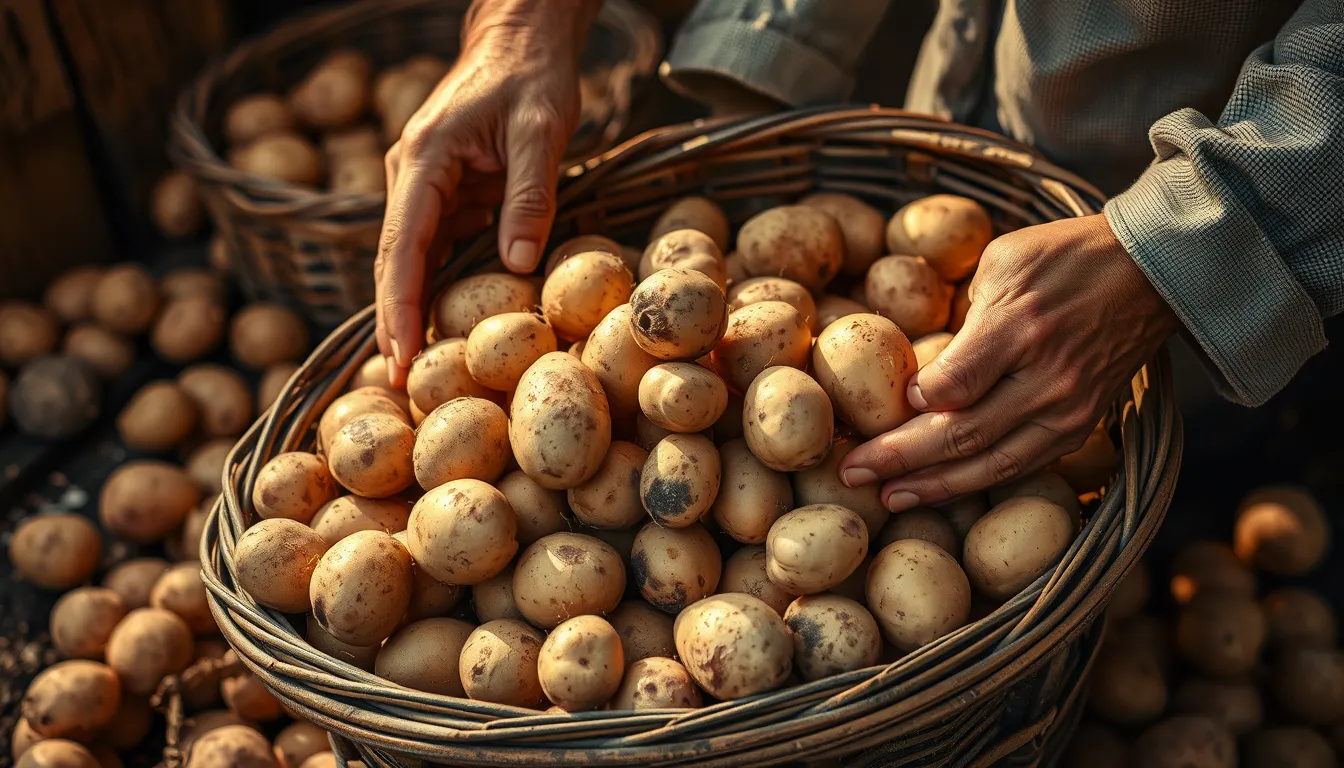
(493, 131)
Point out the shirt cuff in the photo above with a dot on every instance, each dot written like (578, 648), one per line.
(1222, 276)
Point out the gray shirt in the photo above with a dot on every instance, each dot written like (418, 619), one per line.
(1218, 126)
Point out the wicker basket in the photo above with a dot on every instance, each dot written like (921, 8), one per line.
(314, 249)
(1005, 688)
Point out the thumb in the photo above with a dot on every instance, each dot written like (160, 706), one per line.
(533, 159)
(965, 370)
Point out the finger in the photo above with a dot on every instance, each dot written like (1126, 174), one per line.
(391, 166)
(977, 357)
(529, 194)
(1025, 449)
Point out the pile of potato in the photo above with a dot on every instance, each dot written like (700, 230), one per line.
(629, 466)
(1223, 674)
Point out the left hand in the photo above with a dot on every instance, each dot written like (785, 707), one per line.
(1061, 319)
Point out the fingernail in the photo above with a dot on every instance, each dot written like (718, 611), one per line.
(396, 354)
(899, 501)
(917, 398)
(391, 368)
(522, 256)
(858, 476)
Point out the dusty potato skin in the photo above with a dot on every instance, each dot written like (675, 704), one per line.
(1221, 634)
(472, 299)
(1185, 740)
(108, 354)
(1202, 567)
(1293, 746)
(751, 495)
(949, 231)
(372, 456)
(758, 289)
(83, 619)
(440, 374)
(581, 663)
(744, 571)
(656, 683)
(733, 645)
(831, 308)
(347, 514)
(351, 406)
(501, 348)
(814, 548)
(1282, 530)
(232, 746)
(1308, 684)
(72, 699)
(787, 419)
(148, 644)
(299, 741)
(145, 501)
(909, 292)
(1128, 686)
(56, 551)
(582, 290)
(559, 425)
(71, 293)
(917, 592)
(922, 523)
(1014, 543)
(862, 226)
(425, 655)
(181, 591)
(539, 511)
(498, 663)
(464, 438)
(697, 213)
(820, 484)
(126, 299)
(334, 93)
(678, 314)
(361, 656)
(265, 334)
(617, 360)
(831, 635)
(27, 332)
(610, 499)
(865, 363)
(462, 532)
(293, 485)
(584, 244)
(1234, 703)
(275, 560)
(493, 598)
(927, 348)
(361, 587)
(1045, 484)
(133, 580)
(565, 575)
(759, 336)
(223, 401)
(56, 753)
(684, 249)
(801, 243)
(188, 328)
(674, 567)
(645, 631)
(1296, 617)
(680, 479)
(682, 397)
(158, 418)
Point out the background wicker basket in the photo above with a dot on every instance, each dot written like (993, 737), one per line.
(1005, 688)
(313, 249)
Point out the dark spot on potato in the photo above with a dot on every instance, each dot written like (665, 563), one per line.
(320, 611)
(852, 526)
(667, 499)
(717, 666)
(366, 458)
(808, 629)
(570, 554)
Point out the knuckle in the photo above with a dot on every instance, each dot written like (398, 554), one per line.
(954, 379)
(531, 200)
(966, 438)
(892, 458)
(1004, 466)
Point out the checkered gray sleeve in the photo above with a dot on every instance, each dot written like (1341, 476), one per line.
(1240, 224)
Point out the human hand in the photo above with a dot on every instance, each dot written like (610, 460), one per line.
(493, 131)
(1061, 319)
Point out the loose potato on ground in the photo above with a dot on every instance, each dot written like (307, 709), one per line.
(293, 485)
(682, 397)
(567, 574)
(283, 156)
(1127, 685)
(299, 741)
(181, 591)
(1298, 617)
(611, 498)
(1287, 747)
(820, 484)
(347, 514)
(584, 244)
(1131, 593)
(580, 663)
(1184, 741)
(758, 289)
(493, 598)
(501, 348)
(158, 418)
(70, 295)
(56, 753)
(1209, 566)
(1308, 684)
(126, 299)
(559, 425)
(656, 683)
(462, 532)
(185, 546)
(674, 567)
(539, 511)
(361, 656)
(55, 551)
(175, 205)
(1221, 634)
(617, 360)
(335, 92)
(373, 455)
(1155, 634)
(363, 564)
(223, 402)
(831, 308)
(205, 464)
(1014, 543)
(1092, 466)
(232, 746)
(351, 406)
(1044, 484)
(72, 699)
(470, 300)
(499, 663)
(582, 290)
(425, 656)
(1282, 530)
(147, 645)
(678, 314)
(801, 243)
(745, 571)
(145, 501)
(645, 631)
(909, 292)
(917, 592)
(759, 336)
(108, 354)
(1234, 703)
(751, 495)
(27, 332)
(787, 419)
(83, 619)
(191, 282)
(680, 479)
(865, 363)
(464, 438)
(275, 560)
(254, 116)
(814, 548)
(684, 249)
(264, 334)
(948, 231)
(248, 698)
(273, 381)
(697, 213)
(928, 348)
(734, 645)
(133, 580)
(923, 523)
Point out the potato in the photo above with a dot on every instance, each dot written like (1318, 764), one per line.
(430, 598)
(275, 560)
(181, 591)
(580, 663)
(1287, 747)
(293, 485)
(917, 592)
(831, 635)
(27, 332)
(862, 226)
(335, 92)
(645, 631)
(493, 598)
(205, 464)
(680, 480)
(364, 563)
(82, 620)
(197, 725)
(231, 746)
(158, 417)
(462, 532)
(761, 335)
(360, 656)
(582, 290)
(351, 406)
(175, 205)
(345, 515)
(733, 645)
(1096, 746)
(1014, 543)
(923, 523)
(814, 548)
(674, 567)
(948, 231)
(223, 402)
(559, 425)
(248, 698)
(323, 760)
(735, 268)
(402, 103)
(147, 645)
(359, 174)
(470, 300)
(1282, 530)
(56, 753)
(611, 498)
(1234, 703)
(820, 484)
(133, 579)
(1131, 593)
(617, 360)
(751, 496)
(108, 354)
(1092, 466)
(1127, 685)
(831, 308)
(584, 244)
(1185, 741)
(373, 455)
(745, 571)
(1221, 634)
(125, 300)
(1209, 566)
(697, 213)
(1307, 684)
(193, 282)
(759, 289)
(865, 363)
(684, 249)
(906, 290)
(145, 501)
(299, 741)
(264, 334)
(53, 398)
(464, 438)
(682, 397)
(1154, 634)
(55, 551)
(678, 314)
(798, 242)
(256, 115)
(70, 295)
(538, 511)
(501, 348)
(656, 683)
(72, 699)
(220, 256)
(425, 655)
(963, 512)
(1298, 617)
(567, 574)
(282, 156)
(787, 419)
(273, 381)
(1044, 484)
(928, 348)
(498, 663)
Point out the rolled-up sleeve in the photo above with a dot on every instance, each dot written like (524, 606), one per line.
(793, 52)
(1239, 224)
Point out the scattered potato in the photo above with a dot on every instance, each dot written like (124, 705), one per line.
(1186, 740)
(126, 299)
(205, 464)
(963, 513)
(1308, 684)
(814, 548)
(680, 479)
(656, 683)
(734, 645)
(684, 249)
(787, 419)
(759, 289)
(502, 347)
(1282, 530)
(55, 551)
(493, 598)
(745, 571)
(147, 645)
(223, 402)
(175, 205)
(372, 455)
(565, 575)
(83, 619)
(674, 567)
(256, 115)
(334, 93)
(231, 746)
(831, 308)
(462, 532)
(1221, 634)
(581, 291)
(72, 700)
(948, 231)
(917, 592)
(27, 332)
(247, 697)
(1298, 617)
(265, 334)
(347, 514)
(559, 425)
(645, 631)
(584, 244)
(275, 560)
(1234, 703)
(130, 726)
(193, 282)
(909, 292)
(539, 511)
(364, 563)
(697, 213)
(293, 485)
(360, 656)
(581, 663)
(682, 397)
(425, 656)
(1044, 484)
(923, 523)
(801, 243)
(359, 174)
(299, 741)
(470, 300)
(158, 417)
(865, 363)
(146, 501)
(831, 635)
(351, 406)
(464, 438)
(282, 156)
(181, 591)
(70, 295)
(57, 753)
(1014, 543)
(499, 664)
(611, 498)
(133, 580)
(1206, 567)
(273, 381)
(760, 336)
(1128, 687)
(678, 314)
(820, 484)
(862, 226)
(751, 495)
(1289, 747)
(108, 354)
(617, 360)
